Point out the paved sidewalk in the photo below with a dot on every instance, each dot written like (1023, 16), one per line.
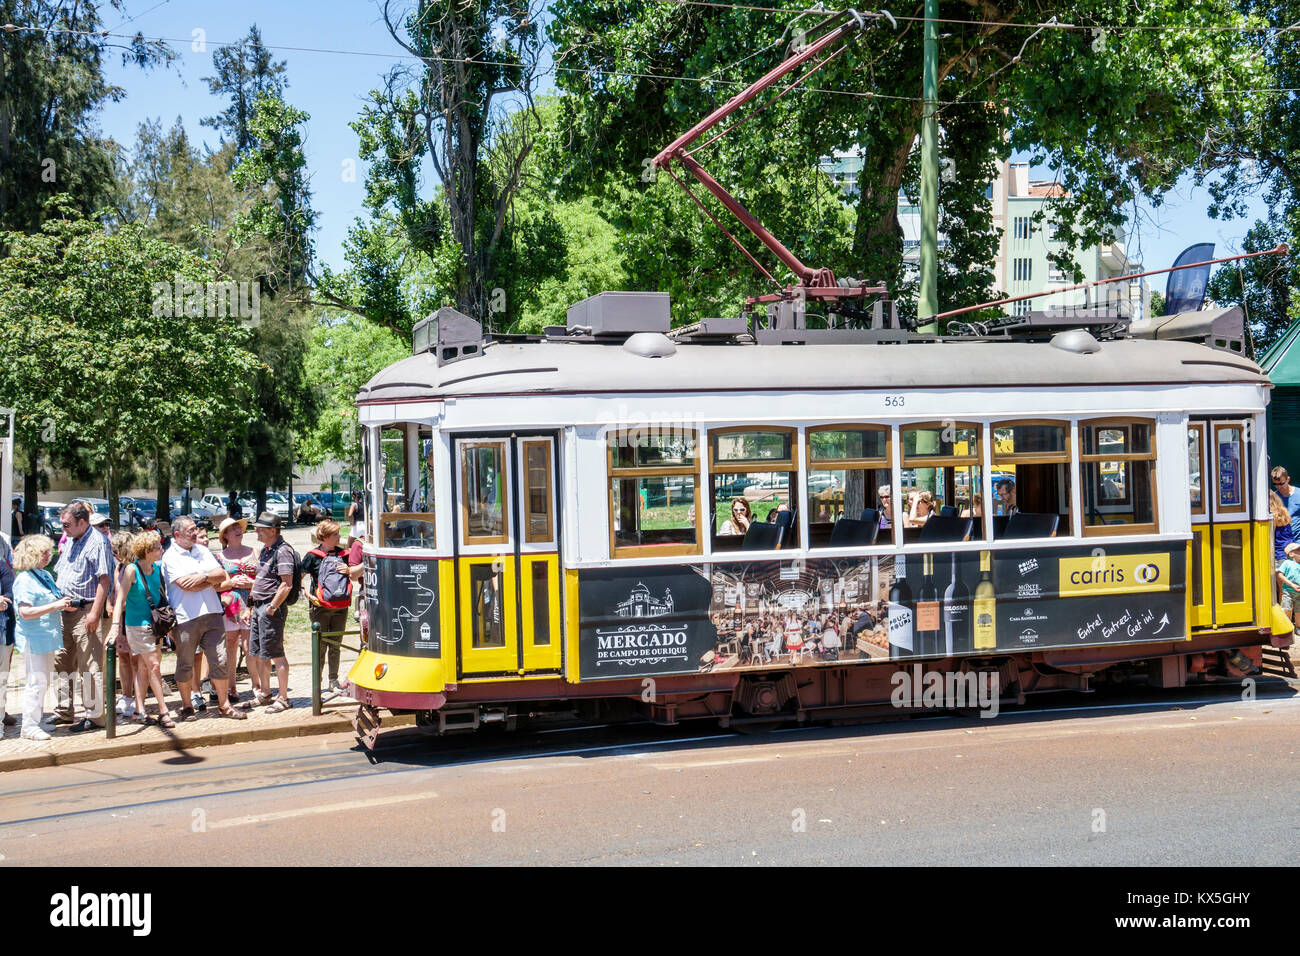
(208, 729)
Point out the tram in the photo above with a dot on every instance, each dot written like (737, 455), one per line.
(758, 520)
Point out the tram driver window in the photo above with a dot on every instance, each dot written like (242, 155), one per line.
(407, 519)
(653, 504)
(754, 478)
(941, 476)
(1031, 479)
(848, 466)
(1118, 464)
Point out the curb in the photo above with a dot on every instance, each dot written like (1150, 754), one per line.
(109, 749)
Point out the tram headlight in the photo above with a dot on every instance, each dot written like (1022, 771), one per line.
(380, 671)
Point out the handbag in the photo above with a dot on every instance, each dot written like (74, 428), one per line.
(162, 616)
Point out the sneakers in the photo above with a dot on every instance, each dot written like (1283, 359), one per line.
(197, 701)
(125, 707)
(34, 733)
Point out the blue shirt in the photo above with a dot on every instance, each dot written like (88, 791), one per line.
(1292, 505)
(1282, 536)
(44, 634)
(82, 562)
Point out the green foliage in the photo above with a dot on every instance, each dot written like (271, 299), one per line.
(1111, 113)
(1157, 306)
(1265, 287)
(344, 352)
(245, 72)
(96, 354)
(52, 89)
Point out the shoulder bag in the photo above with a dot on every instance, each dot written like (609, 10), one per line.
(162, 616)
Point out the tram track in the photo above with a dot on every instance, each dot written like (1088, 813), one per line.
(409, 754)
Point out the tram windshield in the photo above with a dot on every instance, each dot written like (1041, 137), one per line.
(406, 464)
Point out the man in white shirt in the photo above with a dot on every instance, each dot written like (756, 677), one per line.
(192, 572)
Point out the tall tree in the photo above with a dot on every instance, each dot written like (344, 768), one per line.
(245, 70)
(466, 112)
(119, 321)
(1109, 109)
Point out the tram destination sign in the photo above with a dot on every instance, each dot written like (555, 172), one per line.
(759, 615)
(406, 620)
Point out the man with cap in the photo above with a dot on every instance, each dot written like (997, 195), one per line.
(277, 566)
(192, 574)
(83, 577)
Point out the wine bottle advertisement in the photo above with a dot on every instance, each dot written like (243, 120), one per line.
(778, 614)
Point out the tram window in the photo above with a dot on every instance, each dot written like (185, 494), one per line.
(487, 627)
(1196, 468)
(1031, 473)
(847, 467)
(754, 478)
(652, 493)
(1119, 477)
(483, 492)
(1228, 457)
(541, 604)
(941, 474)
(407, 521)
(538, 522)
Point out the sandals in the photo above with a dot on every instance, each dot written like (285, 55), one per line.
(279, 706)
(261, 700)
(231, 713)
(167, 721)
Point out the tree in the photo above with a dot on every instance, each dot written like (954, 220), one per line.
(109, 346)
(1265, 287)
(1109, 110)
(467, 111)
(245, 72)
(344, 352)
(53, 88)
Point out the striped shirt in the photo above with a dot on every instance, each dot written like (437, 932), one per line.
(81, 563)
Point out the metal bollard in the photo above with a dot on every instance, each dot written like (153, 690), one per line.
(315, 669)
(110, 690)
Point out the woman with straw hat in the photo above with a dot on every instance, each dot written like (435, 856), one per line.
(241, 564)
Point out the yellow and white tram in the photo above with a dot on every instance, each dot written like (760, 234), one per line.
(615, 519)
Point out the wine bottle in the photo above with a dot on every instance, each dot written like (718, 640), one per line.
(901, 611)
(956, 614)
(986, 597)
(928, 615)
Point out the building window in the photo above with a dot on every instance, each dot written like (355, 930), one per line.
(1023, 227)
(653, 505)
(1118, 460)
(1022, 270)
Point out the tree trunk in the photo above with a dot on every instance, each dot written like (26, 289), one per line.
(31, 492)
(163, 469)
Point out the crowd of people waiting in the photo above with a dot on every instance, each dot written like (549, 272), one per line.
(142, 593)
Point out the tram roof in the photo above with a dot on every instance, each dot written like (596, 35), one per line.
(560, 367)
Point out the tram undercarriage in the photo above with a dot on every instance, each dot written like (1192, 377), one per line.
(831, 693)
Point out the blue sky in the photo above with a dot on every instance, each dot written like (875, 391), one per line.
(332, 87)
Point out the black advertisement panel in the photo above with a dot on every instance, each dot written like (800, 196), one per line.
(641, 621)
(768, 614)
(402, 604)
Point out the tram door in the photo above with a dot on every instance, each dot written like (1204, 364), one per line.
(507, 555)
(1220, 572)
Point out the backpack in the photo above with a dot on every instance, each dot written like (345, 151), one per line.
(295, 589)
(333, 586)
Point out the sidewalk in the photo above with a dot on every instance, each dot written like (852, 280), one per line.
(208, 729)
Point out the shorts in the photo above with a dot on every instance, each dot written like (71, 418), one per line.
(1287, 600)
(206, 632)
(141, 640)
(266, 638)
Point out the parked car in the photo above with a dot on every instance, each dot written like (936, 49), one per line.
(51, 523)
(278, 504)
(326, 500)
(95, 504)
(306, 509)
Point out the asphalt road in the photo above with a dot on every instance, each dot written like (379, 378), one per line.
(1183, 777)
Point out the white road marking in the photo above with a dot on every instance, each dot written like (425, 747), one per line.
(326, 808)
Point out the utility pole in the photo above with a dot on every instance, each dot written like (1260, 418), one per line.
(928, 305)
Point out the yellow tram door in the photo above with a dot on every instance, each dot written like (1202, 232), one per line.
(507, 561)
(1220, 571)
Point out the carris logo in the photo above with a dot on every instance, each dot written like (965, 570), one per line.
(77, 909)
